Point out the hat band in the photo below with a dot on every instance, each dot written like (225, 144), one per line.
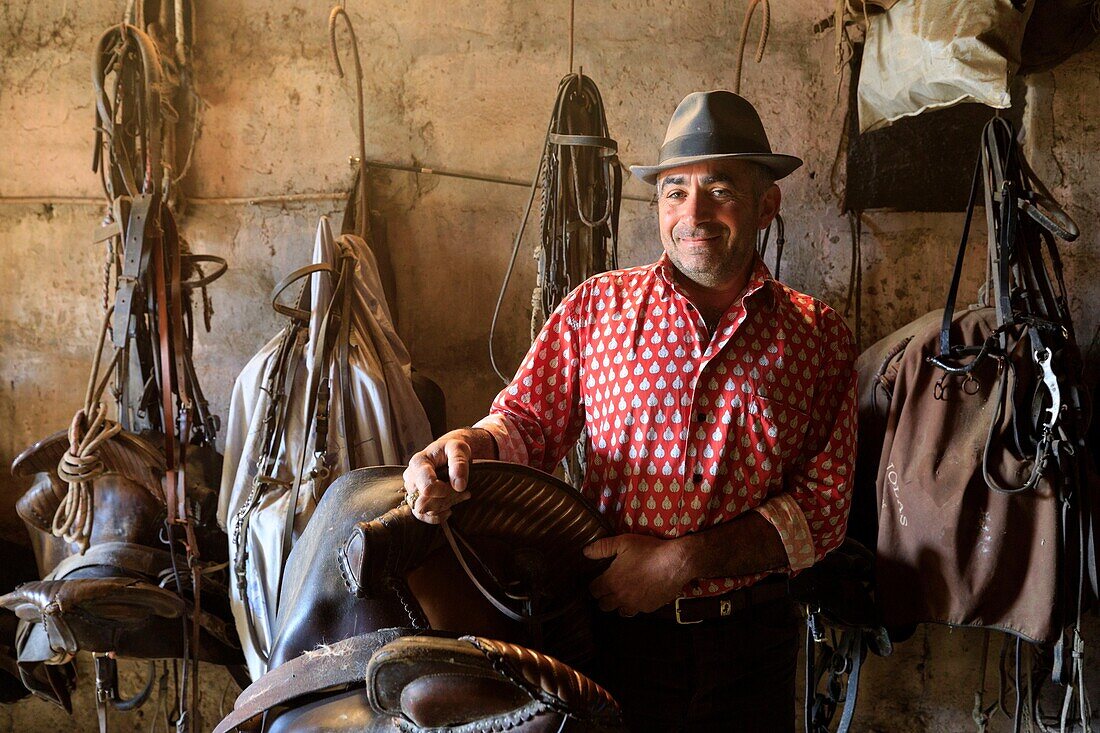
(712, 143)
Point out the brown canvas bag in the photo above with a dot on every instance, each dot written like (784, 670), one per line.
(984, 511)
(951, 550)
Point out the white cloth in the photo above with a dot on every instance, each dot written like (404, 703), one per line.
(387, 418)
(926, 54)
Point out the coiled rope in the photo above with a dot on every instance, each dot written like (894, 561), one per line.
(79, 467)
(81, 464)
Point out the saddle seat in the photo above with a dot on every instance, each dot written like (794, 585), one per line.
(440, 683)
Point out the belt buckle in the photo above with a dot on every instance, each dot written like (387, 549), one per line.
(679, 619)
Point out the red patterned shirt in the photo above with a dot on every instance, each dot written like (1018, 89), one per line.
(684, 430)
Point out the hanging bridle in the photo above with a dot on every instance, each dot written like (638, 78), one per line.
(156, 386)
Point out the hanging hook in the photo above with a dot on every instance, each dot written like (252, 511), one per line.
(764, 28)
(363, 213)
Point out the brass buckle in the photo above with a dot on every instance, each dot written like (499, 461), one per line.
(680, 620)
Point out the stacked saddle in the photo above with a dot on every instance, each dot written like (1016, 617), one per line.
(118, 596)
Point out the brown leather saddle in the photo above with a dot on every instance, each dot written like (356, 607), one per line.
(117, 596)
(387, 623)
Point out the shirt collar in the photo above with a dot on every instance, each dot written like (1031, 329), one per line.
(760, 281)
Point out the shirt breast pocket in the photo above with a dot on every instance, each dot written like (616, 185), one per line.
(775, 429)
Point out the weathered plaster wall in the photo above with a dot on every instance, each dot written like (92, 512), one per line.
(464, 85)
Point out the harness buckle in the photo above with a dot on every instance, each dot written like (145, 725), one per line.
(679, 618)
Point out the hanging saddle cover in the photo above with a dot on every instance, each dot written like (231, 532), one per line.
(950, 550)
(373, 418)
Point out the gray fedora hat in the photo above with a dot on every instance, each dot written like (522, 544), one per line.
(712, 126)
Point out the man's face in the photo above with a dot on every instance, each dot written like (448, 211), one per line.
(709, 215)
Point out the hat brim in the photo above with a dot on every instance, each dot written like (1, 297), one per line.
(780, 166)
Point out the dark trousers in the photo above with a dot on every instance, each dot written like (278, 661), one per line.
(732, 674)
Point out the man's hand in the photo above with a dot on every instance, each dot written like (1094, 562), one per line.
(437, 476)
(647, 572)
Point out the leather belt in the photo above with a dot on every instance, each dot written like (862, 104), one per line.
(692, 610)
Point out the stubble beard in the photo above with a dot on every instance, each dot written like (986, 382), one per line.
(713, 269)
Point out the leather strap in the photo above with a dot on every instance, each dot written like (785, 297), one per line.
(317, 393)
(282, 372)
(853, 648)
(167, 360)
(691, 610)
(608, 146)
(298, 313)
(201, 282)
(463, 551)
(135, 262)
(348, 244)
(112, 54)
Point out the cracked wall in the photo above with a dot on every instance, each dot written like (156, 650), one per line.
(465, 85)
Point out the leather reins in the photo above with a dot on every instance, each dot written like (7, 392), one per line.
(1022, 292)
(1021, 221)
(581, 182)
(582, 191)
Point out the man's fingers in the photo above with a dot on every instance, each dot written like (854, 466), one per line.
(439, 503)
(458, 463)
(420, 473)
(606, 547)
(437, 478)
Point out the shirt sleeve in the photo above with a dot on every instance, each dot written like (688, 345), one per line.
(811, 516)
(538, 417)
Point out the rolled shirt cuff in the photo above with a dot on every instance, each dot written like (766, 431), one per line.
(510, 447)
(794, 531)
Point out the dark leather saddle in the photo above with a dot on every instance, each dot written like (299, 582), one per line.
(387, 623)
(119, 595)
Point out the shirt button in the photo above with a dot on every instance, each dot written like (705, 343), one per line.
(701, 417)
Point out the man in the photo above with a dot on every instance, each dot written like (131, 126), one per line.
(718, 411)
